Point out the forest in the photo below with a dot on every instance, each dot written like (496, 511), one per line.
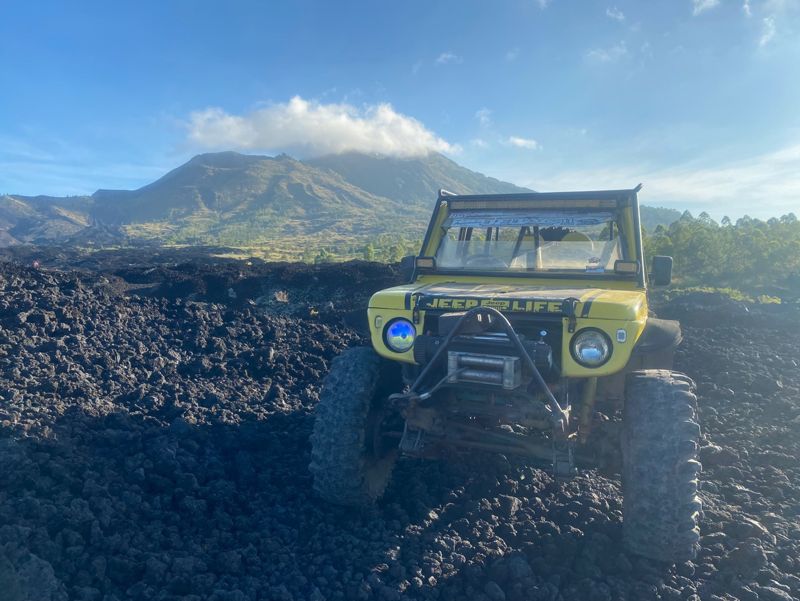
(757, 258)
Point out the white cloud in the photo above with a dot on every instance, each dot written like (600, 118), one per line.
(542, 4)
(781, 5)
(309, 128)
(644, 55)
(767, 31)
(512, 55)
(607, 55)
(479, 143)
(613, 12)
(446, 58)
(781, 17)
(701, 6)
(762, 185)
(484, 117)
(746, 9)
(523, 142)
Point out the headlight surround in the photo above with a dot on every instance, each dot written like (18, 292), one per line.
(399, 335)
(591, 347)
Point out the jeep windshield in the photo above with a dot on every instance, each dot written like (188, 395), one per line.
(530, 240)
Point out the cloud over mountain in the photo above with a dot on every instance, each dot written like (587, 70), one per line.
(310, 128)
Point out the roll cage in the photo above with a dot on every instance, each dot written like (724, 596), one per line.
(454, 210)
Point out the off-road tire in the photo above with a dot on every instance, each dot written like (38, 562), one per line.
(660, 439)
(346, 471)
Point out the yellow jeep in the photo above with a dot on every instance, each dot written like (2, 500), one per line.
(524, 316)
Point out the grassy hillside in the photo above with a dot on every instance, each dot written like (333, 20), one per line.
(234, 199)
(337, 206)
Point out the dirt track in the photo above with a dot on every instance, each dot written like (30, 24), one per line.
(154, 447)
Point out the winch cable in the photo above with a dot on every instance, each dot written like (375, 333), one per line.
(412, 391)
(558, 416)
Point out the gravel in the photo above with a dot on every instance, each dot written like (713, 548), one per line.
(156, 447)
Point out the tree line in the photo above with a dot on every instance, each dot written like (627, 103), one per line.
(750, 255)
(754, 256)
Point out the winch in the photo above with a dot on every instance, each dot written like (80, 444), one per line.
(487, 358)
(495, 370)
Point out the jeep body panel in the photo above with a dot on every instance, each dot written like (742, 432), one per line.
(609, 310)
(604, 299)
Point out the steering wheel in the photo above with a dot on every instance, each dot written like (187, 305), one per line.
(485, 260)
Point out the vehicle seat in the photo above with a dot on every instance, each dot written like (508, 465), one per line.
(531, 259)
(576, 237)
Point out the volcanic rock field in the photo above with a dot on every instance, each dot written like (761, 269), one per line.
(154, 425)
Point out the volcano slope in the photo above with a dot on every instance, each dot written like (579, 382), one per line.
(157, 448)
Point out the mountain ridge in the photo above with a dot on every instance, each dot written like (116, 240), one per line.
(233, 199)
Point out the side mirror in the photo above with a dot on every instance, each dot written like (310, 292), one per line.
(407, 267)
(661, 274)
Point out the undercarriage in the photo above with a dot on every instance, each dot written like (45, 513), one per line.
(482, 386)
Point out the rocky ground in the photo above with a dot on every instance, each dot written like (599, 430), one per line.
(154, 424)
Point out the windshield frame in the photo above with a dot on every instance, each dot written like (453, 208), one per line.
(511, 243)
(619, 201)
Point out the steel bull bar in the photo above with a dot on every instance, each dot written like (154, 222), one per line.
(488, 317)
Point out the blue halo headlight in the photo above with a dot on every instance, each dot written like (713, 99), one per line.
(399, 335)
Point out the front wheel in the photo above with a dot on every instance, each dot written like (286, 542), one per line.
(351, 461)
(660, 440)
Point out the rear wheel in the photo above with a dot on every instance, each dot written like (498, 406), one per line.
(351, 459)
(660, 440)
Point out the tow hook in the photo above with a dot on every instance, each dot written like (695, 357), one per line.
(569, 307)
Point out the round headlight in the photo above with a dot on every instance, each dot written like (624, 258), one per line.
(399, 335)
(591, 348)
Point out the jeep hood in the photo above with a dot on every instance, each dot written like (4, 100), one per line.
(596, 303)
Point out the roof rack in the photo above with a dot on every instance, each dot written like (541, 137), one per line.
(576, 195)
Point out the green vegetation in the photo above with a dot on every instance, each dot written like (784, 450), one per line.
(748, 259)
(732, 293)
(757, 258)
(357, 206)
(652, 217)
(276, 207)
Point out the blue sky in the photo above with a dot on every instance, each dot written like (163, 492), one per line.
(697, 99)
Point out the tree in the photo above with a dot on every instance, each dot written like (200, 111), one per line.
(369, 252)
(748, 255)
(323, 256)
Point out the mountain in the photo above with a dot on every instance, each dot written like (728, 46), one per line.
(652, 217)
(416, 180)
(226, 198)
(244, 199)
(233, 186)
(43, 219)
